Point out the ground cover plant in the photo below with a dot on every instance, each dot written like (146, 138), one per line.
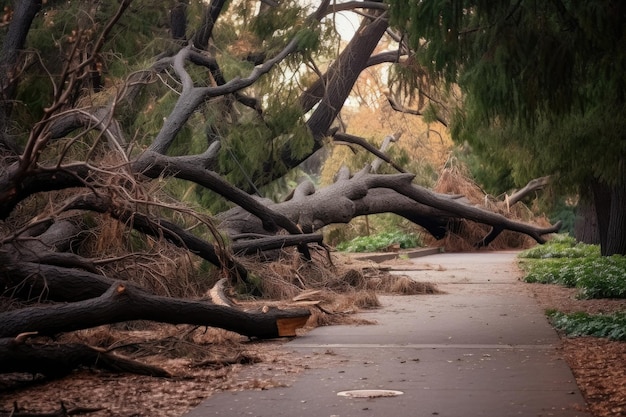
(381, 241)
(586, 303)
(565, 262)
(611, 326)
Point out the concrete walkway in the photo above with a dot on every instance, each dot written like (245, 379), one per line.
(484, 348)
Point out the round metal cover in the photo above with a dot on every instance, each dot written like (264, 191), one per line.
(370, 393)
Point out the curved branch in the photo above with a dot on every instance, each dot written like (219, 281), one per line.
(14, 187)
(367, 193)
(533, 185)
(154, 165)
(402, 184)
(345, 137)
(400, 108)
(190, 99)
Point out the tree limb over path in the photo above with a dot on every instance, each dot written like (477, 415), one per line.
(366, 193)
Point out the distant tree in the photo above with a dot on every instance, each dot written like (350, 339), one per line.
(544, 90)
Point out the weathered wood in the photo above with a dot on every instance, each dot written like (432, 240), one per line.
(123, 303)
(366, 193)
(56, 360)
(217, 295)
(533, 185)
(253, 246)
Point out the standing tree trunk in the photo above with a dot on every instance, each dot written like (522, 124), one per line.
(616, 233)
(586, 228)
(602, 202)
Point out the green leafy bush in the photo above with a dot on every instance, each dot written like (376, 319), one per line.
(562, 246)
(563, 261)
(595, 277)
(381, 241)
(612, 326)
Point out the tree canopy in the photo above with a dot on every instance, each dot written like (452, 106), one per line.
(543, 84)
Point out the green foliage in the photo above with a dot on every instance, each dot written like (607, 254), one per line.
(612, 326)
(276, 21)
(381, 241)
(565, 213)
(542, 82)
(253, 149)
(308, 39)
(561, 246)
(576, 265)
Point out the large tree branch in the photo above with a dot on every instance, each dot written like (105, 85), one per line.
(154, 165)
(16, 186)
(533, 185)
(367, 193)
(159, 228)
(56, 360)
(341, 76)
(211, 13)
(192, 97)
(122, 302)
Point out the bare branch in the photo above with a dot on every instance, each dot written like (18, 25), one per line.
(345, 137)
(400, 108)
(533, 185)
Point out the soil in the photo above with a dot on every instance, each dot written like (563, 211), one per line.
(205, 362)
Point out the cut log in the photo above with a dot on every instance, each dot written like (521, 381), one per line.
(124, 302)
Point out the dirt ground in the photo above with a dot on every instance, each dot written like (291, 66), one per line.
(599, 365)
(205, 362)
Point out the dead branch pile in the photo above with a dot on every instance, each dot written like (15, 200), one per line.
(463, 235)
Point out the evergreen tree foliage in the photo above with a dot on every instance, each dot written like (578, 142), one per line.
(544, 84)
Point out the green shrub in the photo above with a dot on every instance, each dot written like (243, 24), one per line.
(595, 277)
(381, 241)
(563, 261)
(561, 246)
(612, 326)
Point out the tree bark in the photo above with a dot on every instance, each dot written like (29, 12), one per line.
(616, 234)
(602, 202)
(123, 302)
(261, 244)
(57, 360)
(367, 193)
(532, 186)
(342, 75)
(586, 224)
(12, 45)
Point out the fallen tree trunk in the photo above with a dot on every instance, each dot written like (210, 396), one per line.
(57, 360)
(123, 303)
(366, 193)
